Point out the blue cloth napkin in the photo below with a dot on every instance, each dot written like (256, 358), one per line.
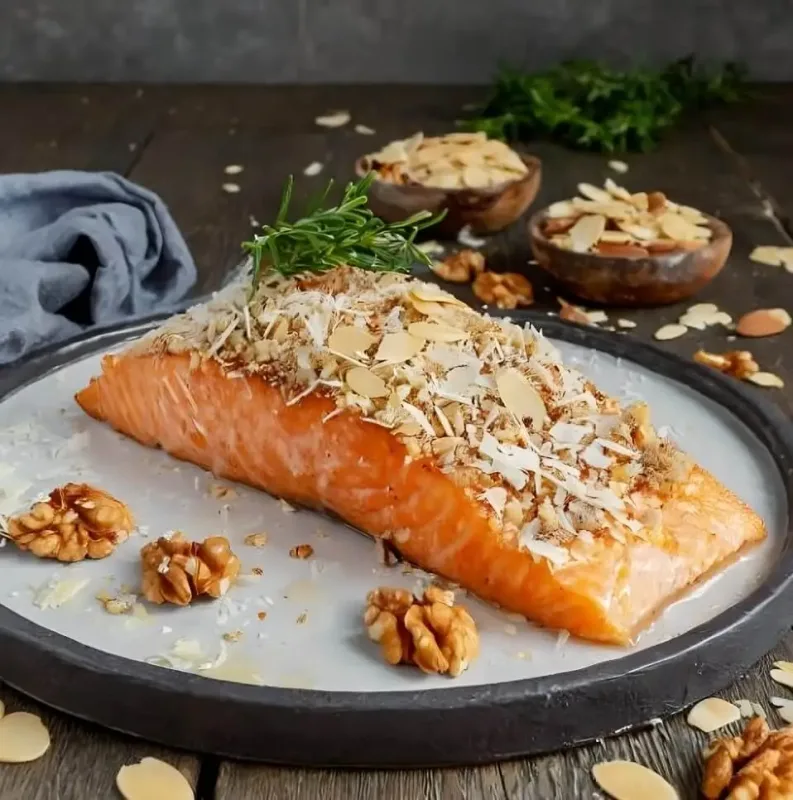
(79, 249)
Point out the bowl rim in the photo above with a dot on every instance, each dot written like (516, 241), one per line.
(533, 162)
(721, 232)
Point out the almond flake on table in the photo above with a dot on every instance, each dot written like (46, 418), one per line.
(467, 239)
(773, 256)
(703, 315)
(784, 707)
(627, 780)
(626, 323)
(152, 778)
(23, 738)
(763, 322)
(618, 166)
(314, 168)
(713, 713)
(767, 380)
(671, 331)
(230, 188)
(333, 119)
(782, 676)
(233, 169)
(364, 130)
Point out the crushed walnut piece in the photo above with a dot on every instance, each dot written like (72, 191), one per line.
(430, 632)
(506, 290)
(77, 521)
(302, 551)
(756, 764)
(177, 570)
(256, 539)
(737, 363)
(460, 267)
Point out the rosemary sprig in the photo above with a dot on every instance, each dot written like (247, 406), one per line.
(588, 106)
(348, 233)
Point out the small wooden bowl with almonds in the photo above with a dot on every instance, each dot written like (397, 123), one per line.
(616, 248)
(481, 183)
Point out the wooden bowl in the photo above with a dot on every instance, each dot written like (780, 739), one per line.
(484, 210)
(657, 279)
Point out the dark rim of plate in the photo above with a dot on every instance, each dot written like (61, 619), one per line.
(435, 727)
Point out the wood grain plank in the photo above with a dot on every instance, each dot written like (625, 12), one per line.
(246, 782)
(82, 761)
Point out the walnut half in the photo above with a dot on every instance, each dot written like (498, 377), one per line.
(758, 764)
(430, 632)
(176, 570)
(506, 290)
(78, 521)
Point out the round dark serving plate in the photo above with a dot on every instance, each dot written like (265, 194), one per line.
(469, 725)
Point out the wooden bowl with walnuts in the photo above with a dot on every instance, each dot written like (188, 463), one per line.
(616, 248)
(481, 183)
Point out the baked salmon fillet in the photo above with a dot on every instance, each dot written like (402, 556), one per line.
(461, 440)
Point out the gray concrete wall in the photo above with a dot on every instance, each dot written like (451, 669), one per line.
(353, 41)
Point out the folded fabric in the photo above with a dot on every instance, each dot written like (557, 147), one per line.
(79, 249)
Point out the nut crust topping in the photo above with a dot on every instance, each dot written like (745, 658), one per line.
(430, 632)
(78, 521)
(757, 765)
(177, 570)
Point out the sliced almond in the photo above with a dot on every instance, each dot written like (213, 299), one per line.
(676, 228)
(787, 666)
(398, 347)
(784, 708)
(350, 341)
(712, 713)
(333, 120)
(364, 130)
(783, 676)
(637, 231)
(586, 232)
(520, 397)
(394, 153)
(617, 191)
(616, 237)
(475, 177)
(640, 200)
(768, 380)
(426, 308)
(618, 166)
(672, 331)
(564, 208)
(433, 294)
(151, 779)
(436, 332)
(23, 738)
(626, 323)
(314, 168)
(767, 254)
(365, 383)
(693, 215)
(763, 322)
(703, 315)
(617, 250)
(627, 780)
(594, 193)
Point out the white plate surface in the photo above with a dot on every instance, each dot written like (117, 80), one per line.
(45, 440)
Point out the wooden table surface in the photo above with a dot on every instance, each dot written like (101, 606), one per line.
(736, 163)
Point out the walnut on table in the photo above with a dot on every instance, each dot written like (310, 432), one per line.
(757, 765)
(737, 363)
(430, 632)
(506, 290)
(177, 570)
(78, 521)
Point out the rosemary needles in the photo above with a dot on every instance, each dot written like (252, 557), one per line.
(344, 234)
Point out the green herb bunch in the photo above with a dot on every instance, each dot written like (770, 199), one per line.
(347, 233)
(588, 106)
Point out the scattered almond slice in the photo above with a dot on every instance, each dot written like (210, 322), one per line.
(23, 738)
(151, 779)
(434, 294)
(770, 255)
(763, 322)
(56, 593)
(398, 347)
(784, 707)
(615, 190)
(783, 676)
(520, 397)
(233, 169)
(594, 193)
(314, 168)
(713, 713)
(627, 780)
(640, 232)
(230, 188)
(350, 341)
(672, 331)
(626, 323)
(365, 383)
(618, 166)
(364, 130)
(586, 232)
(767, 379)
(787, 666)
(564, 208)
(703, 315)
(467, 239)
(334, 119)
(745, 707)
(436, 332)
